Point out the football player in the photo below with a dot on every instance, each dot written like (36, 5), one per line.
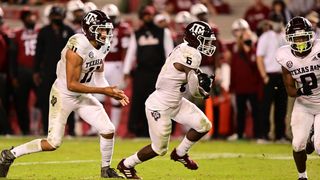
(166, 102)
(301, 74)
(79, 73)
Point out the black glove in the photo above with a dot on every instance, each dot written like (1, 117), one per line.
(205, 83)
(304, 91)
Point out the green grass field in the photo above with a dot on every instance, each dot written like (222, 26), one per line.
(79, 158)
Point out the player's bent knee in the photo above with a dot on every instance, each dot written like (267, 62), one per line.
(55, 144)
(297, 147)
(205, 126)
(160, 151)
(108, 129)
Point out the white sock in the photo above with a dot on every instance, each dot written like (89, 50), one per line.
(27, 148)
(106, 149)
(184, 146)
(303, 175)
(132, 161)
(116, 116)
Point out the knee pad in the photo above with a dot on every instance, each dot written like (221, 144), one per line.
(55, 143)
(161, 151)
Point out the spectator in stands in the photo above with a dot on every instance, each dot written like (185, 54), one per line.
(313, 17)
(245, 79)
(75, 14)
(149, 45)
(22, 66)
(279, 7)
(217, 6)
(5, 48)
(175, 6)
(51, 40)
(162, 20)
(89, 6)
(301, 7)
(182, 19)
(270, 71)
(256, 13)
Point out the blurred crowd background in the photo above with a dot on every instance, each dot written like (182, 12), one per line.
(248, 99)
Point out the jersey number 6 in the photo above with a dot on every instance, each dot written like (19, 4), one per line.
(189, 60)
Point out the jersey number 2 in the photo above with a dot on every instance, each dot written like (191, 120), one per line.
(88, 75)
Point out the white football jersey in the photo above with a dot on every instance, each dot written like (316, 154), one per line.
(304, 70)
(171, 83)
(92, 61)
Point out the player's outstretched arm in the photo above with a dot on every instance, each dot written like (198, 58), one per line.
(73, 72)
(100, 81)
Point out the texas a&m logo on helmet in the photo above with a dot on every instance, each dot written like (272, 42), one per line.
(199, 35)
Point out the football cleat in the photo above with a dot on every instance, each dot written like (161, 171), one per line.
(310, 143)
(303, 179)
(185, 160)
(129, 173)
(107, 172)
(6, 159)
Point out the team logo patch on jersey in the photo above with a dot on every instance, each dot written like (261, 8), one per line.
(155, 115)
(53, 100)
(91, 55)
(289, 64)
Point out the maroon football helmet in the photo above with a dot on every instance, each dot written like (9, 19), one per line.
(94, 24)
(199, 35)
(299, 34)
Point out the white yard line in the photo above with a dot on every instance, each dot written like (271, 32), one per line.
(54, 162)
(196, 156)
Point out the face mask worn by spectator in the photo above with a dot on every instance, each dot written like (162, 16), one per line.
(248, 42)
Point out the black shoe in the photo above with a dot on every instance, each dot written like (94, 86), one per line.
(107, 172)
(310, 143)
(6, 159)
(303, 179)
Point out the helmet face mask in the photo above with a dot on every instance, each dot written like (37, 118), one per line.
(103, 33)
(206, 46)
(199, 35)
(300, 41)
(97, 26)
(299, 34)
